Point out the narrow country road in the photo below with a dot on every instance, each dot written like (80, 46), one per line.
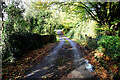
(65, 60)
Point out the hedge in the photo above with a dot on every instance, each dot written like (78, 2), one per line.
(111, 45)
(21, 43)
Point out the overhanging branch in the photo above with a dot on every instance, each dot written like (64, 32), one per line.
(86, 8)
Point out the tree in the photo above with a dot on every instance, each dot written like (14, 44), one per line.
(104, 13)
(14, 23)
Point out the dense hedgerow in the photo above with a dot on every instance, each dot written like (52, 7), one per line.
(111, 45)
(21, 43)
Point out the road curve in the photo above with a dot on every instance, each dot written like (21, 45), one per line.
(65, 59)
(39, 70)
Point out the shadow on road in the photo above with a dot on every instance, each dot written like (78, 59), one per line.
(63, 62)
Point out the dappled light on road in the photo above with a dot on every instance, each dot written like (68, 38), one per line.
(65, 59)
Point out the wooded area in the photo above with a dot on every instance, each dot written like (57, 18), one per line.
(94, 25)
